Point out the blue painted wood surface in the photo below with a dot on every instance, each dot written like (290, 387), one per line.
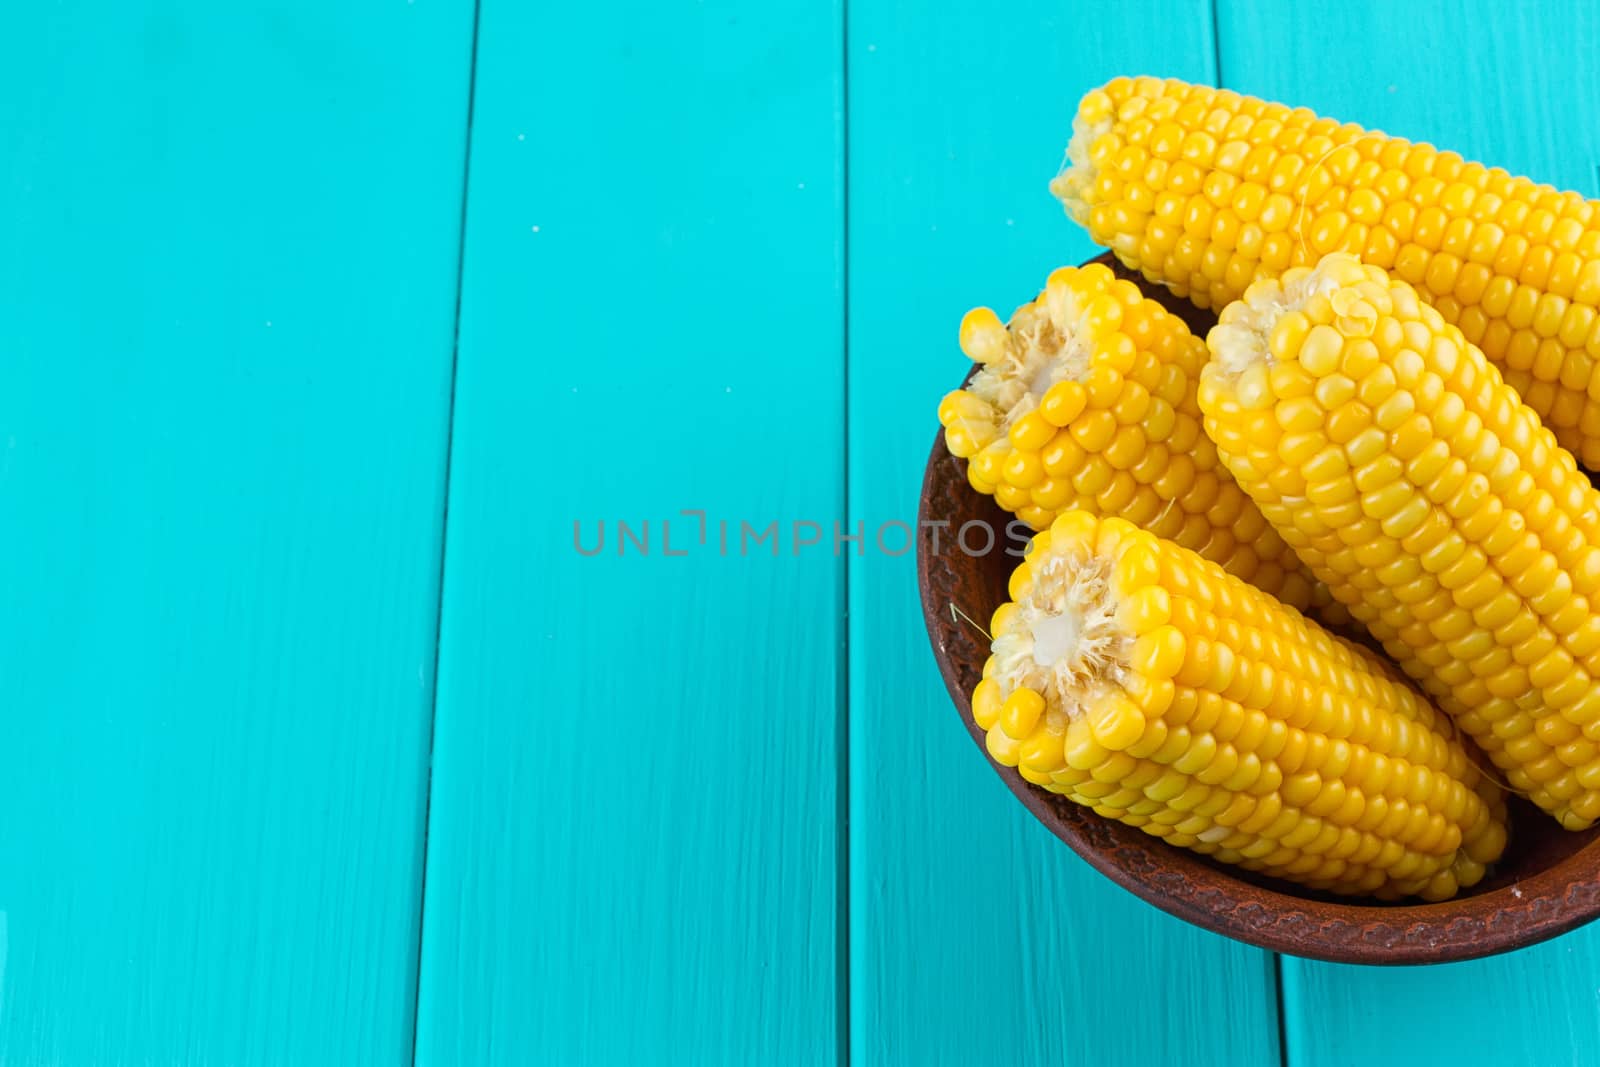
(700, 808)
(635, 817)
(227, 300)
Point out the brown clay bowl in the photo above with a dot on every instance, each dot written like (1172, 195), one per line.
(1547, 883)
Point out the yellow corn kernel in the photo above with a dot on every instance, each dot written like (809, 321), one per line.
(1133, 676)
(1486, 596)
(1514, 264)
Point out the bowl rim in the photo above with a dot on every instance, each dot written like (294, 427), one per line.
(1544, 905)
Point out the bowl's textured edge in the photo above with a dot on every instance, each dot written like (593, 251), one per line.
(1182, 883)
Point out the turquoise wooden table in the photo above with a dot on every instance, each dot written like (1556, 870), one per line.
(334, 336)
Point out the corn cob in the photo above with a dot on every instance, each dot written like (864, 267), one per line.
(1208, 191)
(1088, 401)
(1391, 454)
(1133, 676)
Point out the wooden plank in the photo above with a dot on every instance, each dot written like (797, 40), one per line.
(227, 303)
(1517, 88)
(975, 936)
(1530, 1009)
(634, 818)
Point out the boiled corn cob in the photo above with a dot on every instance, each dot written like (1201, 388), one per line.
(1088, 401)
(1207, 191)
(1391, 454)
(1131, 675)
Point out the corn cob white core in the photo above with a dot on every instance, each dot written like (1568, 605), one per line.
(1038, 351)
(1067, 645)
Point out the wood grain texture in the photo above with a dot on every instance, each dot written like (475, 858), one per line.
(634, 817)
(1519, 88)
(975, 936)
(227, 296)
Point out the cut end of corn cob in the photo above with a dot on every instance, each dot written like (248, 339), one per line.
(1073, 184)
(1415, 483)
(1087, 401)
(1247, 335)
(1050, 341)
(1132, 676)
(1066, 399)
(1063, 639)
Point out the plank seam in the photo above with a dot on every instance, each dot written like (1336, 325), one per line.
(1283, 1029)
(844, 838)
(444, 527)
(1216, 44)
